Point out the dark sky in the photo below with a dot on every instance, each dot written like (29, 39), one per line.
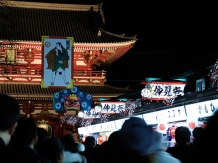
(172, 39)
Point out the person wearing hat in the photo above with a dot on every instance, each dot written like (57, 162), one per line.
(134, 142)
(161, 155)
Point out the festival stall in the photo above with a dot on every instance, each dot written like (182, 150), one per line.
(190, 110)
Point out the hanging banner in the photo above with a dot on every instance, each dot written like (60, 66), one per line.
(162, 90)
(57, 62)
(112, 107)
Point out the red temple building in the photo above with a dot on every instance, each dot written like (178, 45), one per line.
(22, 26)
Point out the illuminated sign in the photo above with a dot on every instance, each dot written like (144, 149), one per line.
(112, 107)
(108, 126)
(202, 109)
(90, 129)
(168, 115)
(162, 90)
(92, 113)
(150, 118)
(99, 127)
(119, 123)
(81, 130)
(138, 116)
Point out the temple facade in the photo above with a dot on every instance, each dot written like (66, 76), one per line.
(22, 26)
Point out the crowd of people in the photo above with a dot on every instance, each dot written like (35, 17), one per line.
(136, 142)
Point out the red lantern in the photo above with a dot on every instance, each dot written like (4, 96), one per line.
(162, 127)
(192, 125)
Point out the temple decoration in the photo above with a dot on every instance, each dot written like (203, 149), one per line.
(44, 124)
(72, 100)
(213, 74)
(162, 91)
(11, 55)
(57, 62)
(25, 54)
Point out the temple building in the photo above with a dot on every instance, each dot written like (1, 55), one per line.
(22, 26)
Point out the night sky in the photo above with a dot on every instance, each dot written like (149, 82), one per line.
(172, 39)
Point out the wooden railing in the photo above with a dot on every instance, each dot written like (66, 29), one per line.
(14, 73)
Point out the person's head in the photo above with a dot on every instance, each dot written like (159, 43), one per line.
(114, 139)
(25, 133)
(182, 135)
(137, 137)
(10, 112)
(42, 136)
(53, 150)
(113, 136)
(59, 46)
(69, 143)
(90, 142)
(197, 133)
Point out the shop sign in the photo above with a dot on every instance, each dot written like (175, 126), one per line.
(150, 118)
(119, 123)
(81, 130)
(108, 126)
(92, 113)
(162, 90)
(202, 109)
(99, 127)
(138, 116)
(168, 115)
(112, 107)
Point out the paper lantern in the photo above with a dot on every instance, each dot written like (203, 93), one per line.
(192, 125)
(192, 122)
(162, 127)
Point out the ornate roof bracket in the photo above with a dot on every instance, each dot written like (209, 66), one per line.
(95, 57)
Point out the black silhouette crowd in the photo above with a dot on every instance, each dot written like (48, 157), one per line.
(21, 141)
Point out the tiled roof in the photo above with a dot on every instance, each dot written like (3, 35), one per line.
(29, 21)
(35, 90)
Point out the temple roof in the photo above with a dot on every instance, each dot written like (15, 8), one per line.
(35, 91)
(29, 21)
